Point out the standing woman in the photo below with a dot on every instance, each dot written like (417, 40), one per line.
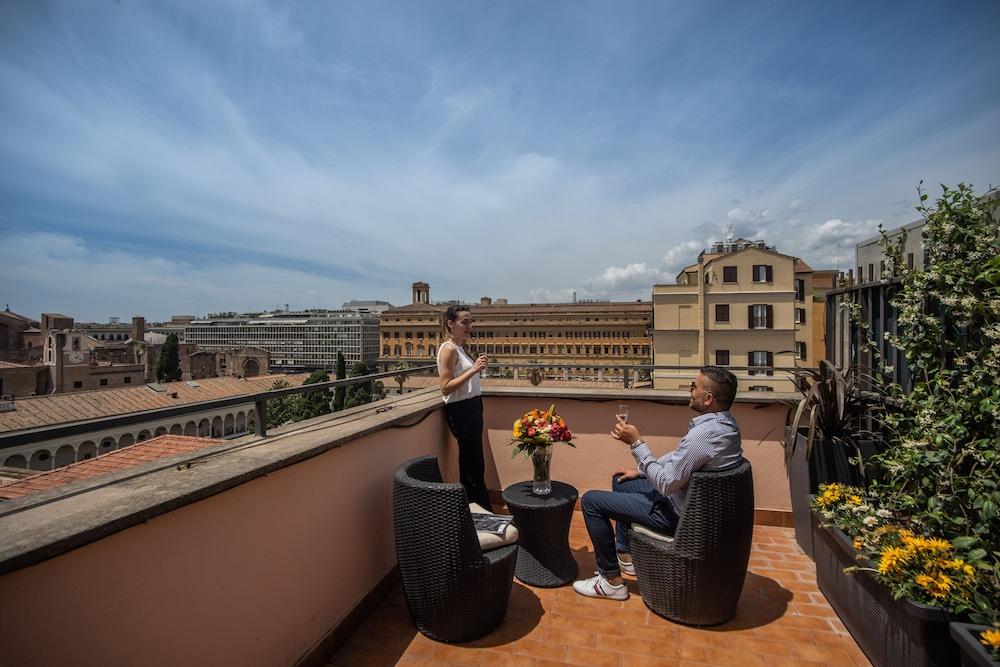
(463, 402)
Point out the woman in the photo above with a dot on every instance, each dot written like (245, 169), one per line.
(463, 402)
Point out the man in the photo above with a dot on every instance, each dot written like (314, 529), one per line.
(654, 494)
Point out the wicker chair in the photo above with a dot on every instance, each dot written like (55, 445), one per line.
(455, 591)
(697, 577)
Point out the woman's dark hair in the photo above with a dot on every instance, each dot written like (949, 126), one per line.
(452, 314)
(723, 384)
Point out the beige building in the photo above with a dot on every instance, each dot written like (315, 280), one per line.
(742, 305)
(590, 335)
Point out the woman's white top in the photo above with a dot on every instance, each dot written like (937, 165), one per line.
(471, 388)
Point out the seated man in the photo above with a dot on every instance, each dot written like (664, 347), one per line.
(654, 494)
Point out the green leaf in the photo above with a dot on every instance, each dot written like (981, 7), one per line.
(977, 554)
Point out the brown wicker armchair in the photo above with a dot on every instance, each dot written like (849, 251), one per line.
(697, 577)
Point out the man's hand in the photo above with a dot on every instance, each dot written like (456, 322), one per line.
(627, 433)
(625, 475)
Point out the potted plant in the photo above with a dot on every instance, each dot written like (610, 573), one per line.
(824, 441)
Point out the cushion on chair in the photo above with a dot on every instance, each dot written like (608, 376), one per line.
(489, 540)
(649, 532)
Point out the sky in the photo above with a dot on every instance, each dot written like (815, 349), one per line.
(162, 158)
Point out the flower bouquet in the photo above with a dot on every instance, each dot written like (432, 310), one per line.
(534, 433)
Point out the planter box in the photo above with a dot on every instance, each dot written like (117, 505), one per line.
(825, 465)
(892, 633)
(974, 654)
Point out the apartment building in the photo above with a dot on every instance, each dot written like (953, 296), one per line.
(590, 335)
(296, 341)
(742, 304)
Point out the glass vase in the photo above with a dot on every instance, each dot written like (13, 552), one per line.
(541, 461)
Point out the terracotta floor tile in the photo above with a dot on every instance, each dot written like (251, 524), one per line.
(593, 657)
(571, 637)
(503, 659)
(645, 661)
(611, 627)
(540, 649)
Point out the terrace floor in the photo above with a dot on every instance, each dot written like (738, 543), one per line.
(782, 619)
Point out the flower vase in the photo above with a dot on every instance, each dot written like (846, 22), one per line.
(541, 461)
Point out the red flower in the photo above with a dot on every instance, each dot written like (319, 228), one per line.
(531, 431)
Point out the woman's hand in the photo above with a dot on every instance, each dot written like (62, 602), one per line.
(481, 363)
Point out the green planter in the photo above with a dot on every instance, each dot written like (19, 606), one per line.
(892, 633)
(974, 654)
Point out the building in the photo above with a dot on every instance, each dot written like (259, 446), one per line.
(590, 336)
(20, 416)
(296, 341)
(744, 305)
(376, 307)
(20, 338)
(174, 326)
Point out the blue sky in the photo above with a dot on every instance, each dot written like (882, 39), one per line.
(188, 157)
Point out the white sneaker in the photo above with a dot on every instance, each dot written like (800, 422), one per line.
(599, 587)
(626, 567)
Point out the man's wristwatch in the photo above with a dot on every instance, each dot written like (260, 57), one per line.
(635, 444)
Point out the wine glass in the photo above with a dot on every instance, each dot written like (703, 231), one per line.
(623, 412)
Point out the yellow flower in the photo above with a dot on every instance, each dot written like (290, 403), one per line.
(937, 544)
(990, 638)
(858, 543)
(854, 500)
(938, 586)
(891, 559)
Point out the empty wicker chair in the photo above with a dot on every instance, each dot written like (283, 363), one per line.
(696, 578)
(455, 591)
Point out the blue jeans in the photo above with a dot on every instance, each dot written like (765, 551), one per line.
(633, 501)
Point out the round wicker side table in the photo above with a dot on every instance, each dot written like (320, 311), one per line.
(543, 555)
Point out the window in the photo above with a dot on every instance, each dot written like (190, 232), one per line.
(800, 289)
(729, 274)
(128, 380)
(800, 315)
(800, 351)
(761, 358)
(77, 384)
(861, 275)
(881, 270)
(722, 312)
(104, 382)
(760, 387)
(722, 357)
(761, 316)
(763, 273)
(871, 272)
(909, 260)
(927, 258)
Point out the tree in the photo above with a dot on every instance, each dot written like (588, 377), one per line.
(281, 410)
(363, 392)
(168, 365)
(358, 394)
(315, 403)
(340, 393)
(401, 378)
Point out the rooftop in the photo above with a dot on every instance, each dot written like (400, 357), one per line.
(161, 447)
(243, 550)
(61, 408)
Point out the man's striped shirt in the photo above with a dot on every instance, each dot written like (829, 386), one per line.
(713, 441)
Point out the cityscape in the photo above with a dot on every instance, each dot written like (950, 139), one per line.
(231, 236)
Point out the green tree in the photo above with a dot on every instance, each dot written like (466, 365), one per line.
(168, 365)
(340, 393)
(315, 403)
(281, 410)
(361, 393)
(401, 378)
